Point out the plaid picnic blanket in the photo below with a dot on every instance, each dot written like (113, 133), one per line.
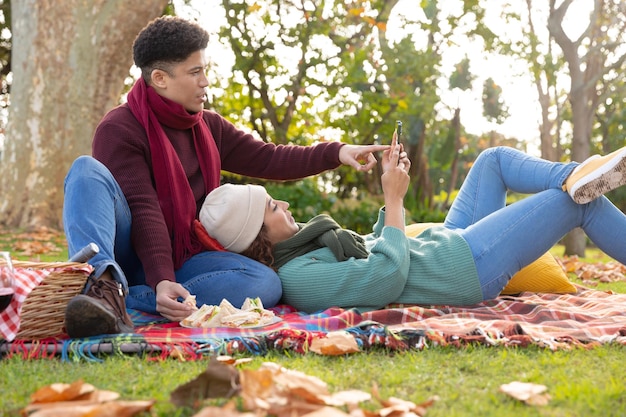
(556, 321)
(24, 284)
(585, 319)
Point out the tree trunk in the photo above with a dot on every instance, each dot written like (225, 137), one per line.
(454, 165)
(422, 186)
(70, 59)
(575, 241)
(586, 73)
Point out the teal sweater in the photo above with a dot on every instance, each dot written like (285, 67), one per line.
(435, 267)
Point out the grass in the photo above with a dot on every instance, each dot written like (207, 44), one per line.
(580, 382)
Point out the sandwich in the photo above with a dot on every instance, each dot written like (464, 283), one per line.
(251, 314)
(205, 316)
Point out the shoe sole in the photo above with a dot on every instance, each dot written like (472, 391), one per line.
(605, 178)
(85, 317)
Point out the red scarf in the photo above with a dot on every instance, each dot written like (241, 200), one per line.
(172, 186)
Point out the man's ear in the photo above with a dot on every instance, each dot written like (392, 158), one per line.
(158, 78)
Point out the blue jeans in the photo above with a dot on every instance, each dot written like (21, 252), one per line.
(95, 210)
(503, 239)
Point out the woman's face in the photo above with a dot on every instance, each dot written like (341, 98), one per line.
(278, 221)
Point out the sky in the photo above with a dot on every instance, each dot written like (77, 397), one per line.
(519, 93)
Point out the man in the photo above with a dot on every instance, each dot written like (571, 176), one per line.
(154, 160)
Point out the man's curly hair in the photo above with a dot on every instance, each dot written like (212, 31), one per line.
(166, 41)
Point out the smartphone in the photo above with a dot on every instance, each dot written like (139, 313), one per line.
(398, 132)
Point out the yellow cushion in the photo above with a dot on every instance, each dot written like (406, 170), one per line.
(412, 230)
(543, 275)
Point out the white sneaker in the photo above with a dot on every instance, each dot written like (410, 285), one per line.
(596, 176)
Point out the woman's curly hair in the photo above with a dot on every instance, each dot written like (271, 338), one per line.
(165, 41)
(261, 249)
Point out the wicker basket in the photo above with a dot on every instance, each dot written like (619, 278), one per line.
(43, 311)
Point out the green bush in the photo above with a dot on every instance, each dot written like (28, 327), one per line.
(306, 201)
(358, 214)
(304, 198)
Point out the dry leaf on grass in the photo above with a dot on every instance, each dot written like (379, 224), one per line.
(227, 410)
(232, 361)
(61, 392)
(42, 241)
(327, 412)
(109, 409)
(591, 273)
(281, 392)
(273, 388)
(334, 343)
(79, 399)
(396, 407)
(531, 394)
(270, 390)
(349, 398)
(219, 380)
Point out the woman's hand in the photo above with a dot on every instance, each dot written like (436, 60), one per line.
(395, 178)
(403, 158)
(167, 304)
(395, 182)
(360, 157)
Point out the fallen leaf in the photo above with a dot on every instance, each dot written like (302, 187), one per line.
(593, 272)
(109, 409)
(398, 407)
(61, 392)
(219, 380)
(298, 383)
(531, 394)
(348, 398)
(227, 410)
(92, 398)
(281, 392)
(227, 359)
(326, 412)
(395, 406)
(334, 343)
(256, 387)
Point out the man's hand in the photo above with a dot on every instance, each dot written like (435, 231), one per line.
(360, 157)
(167, 294)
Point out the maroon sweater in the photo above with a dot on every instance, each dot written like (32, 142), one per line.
(121, 144)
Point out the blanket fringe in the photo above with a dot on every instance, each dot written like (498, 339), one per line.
(557, 322)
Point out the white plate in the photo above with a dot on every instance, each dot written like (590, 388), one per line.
(245, 326)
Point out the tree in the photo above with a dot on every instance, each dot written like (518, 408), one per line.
(342, 58)
(610, 131)
(494, 108)
(544, 68)
(5, 51)
(596, 60)
(304, 72)
(69, 59)
(460, 80)
(527, 38)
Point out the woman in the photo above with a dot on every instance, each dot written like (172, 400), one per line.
(481, 245)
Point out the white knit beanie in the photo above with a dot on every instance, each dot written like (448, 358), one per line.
(233, 215)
